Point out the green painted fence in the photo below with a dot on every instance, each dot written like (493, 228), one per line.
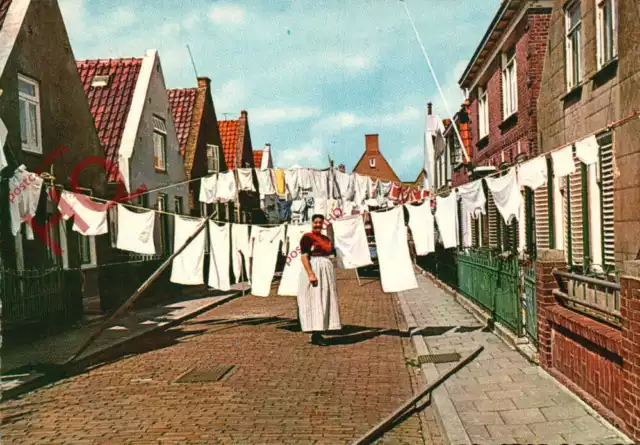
(530, 307)
(493, 283)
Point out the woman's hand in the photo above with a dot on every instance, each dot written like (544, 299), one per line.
(313, 279)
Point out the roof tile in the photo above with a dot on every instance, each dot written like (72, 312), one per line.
(4, 7)
(110, 104)
(257, 158)
(229, 135)
(182, 102)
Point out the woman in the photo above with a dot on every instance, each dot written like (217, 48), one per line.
(317, 289)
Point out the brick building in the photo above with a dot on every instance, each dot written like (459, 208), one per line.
(373, 163)
(590, 219)
(503, 83)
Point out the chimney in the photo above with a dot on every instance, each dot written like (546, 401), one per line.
(371, 143)
(429, 108)
(341, 168)
(204, 82)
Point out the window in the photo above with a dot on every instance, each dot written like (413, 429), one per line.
(159, 144)
(606, 31)
(213, 161)
(30, 129)
(99, 81)
(576, 217)
(483, 112)
(573, 60)
(372, 162)
(509, 83)
(164, 224)
(178, 204)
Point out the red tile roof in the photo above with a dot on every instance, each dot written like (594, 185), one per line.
(4, 7)
(182, 102)
(110, 104)
(229, 135)
(257, 158)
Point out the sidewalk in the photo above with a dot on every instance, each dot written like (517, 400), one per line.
(18, 377)
(500, 397)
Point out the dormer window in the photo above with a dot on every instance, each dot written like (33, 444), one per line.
(100, 81)
(372, 162)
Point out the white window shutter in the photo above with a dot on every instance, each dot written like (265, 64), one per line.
(575, 203)
(541, 209)
(494, 219)
(606, 180)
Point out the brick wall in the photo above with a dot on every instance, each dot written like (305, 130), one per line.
(630, 309)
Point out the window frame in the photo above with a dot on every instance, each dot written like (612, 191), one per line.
(509, 83)
(372, 162)
(574, 75)
(606, 39)
(30, 146)
(159, 133)
(213, 158)
(178, 205)
(483, 113)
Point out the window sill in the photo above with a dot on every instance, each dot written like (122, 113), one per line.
(160, 171)
(606, 72)
(89, 266)
(509, 122)
(573, 94)
(483, 142)
(31, 150)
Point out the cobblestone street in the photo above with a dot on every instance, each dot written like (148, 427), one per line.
(281, 390)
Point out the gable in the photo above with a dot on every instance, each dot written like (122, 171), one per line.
(382, 169)
(4, 8)
(229, 135)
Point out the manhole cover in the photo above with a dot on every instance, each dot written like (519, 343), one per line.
(439, 358)
(205, 374)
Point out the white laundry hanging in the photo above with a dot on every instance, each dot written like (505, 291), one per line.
(293, 263)
(320, 183)
(3, 139)
(265, 182)
(373, 187)
(422, 227)
(396, 268)
(226, 188)
(384, 188)
(208, 187)
(240, 251)
(533, 173)
(305, 179)
(264, 244)
(447, 219)
(245, 180)
(346, 185)
(24, 194)
(219, 256)
(320, 206)
(135, 231)
(588, 150)
(292, 182)
(188, 267)
(86, 221)
(473, 198)
(352, 248)
(563, 164)
(506, 194)
(361, 185)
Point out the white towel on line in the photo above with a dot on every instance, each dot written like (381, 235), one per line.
(447, 219)
(293, 262)
(291, 178)
(588, 150)
(3, 139)
(563, 164)
(265, 182)
(245, 180)
(135, 231)
(533, 173)
(219, 256)
(396, 268)
(422, 227)
(208, 186)
(506, 194)
(346, 185)
(240, 251)
(473, 198)
(226, 187)
(320, 183)
(305, 179)
(188, 267)
(86, 221)
(361, 186)
(352, 248)
(26, 202)
(264, 244)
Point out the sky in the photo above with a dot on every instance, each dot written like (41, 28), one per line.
(314, 76)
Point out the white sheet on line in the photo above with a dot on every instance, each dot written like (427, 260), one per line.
(588, 150)
(506, 194)
(226, 188)
(473, 199)
(264, 244)
(3, 139)
(188, 267)
(293, 262)
(563, 164)
(135, 231)
(320, 206)
(219, 256)
(447, 219)
(291, 178)
(245, 180)
(320, 183)
(396, 268)
(240, 252)
(305, 179)
(208, 189)
(346, 185)
(352, 248)
(26, 202)
(86, 220)
(533, 173)
(361, 185)
(422, 228)
(265, 182)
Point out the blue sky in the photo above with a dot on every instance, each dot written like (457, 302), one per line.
(315, 76)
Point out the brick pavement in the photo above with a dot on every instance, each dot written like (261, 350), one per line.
(282, 390)
(500, 397)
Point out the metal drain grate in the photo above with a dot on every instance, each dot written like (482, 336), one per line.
(439, 358)
(205, 374)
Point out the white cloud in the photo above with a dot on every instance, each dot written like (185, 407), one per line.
(310, 154)
(353, 63)
(231, 97)
(263, 116)
(227, 14)
(452, 92)
(170, 29)
(343, 120)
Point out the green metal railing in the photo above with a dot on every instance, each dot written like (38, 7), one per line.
(529, 303)
(493, 282)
